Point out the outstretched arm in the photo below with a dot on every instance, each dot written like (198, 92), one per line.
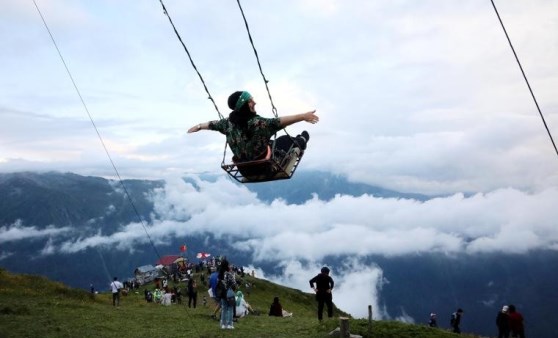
(198, 127)
(309, 117)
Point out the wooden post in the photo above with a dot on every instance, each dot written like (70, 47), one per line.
(369, 320)
(344, 327)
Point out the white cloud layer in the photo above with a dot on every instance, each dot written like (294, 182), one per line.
(505, 220)
(356, 285)
(17, 232)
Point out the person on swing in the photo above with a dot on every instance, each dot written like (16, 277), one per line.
(248, 134)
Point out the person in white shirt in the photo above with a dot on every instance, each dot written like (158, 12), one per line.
(115, 288)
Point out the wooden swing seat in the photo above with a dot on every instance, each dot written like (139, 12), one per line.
(274, 166)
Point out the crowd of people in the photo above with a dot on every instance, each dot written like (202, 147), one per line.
(228, 302)
(224, 289)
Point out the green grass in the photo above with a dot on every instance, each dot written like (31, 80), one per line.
(33, 306)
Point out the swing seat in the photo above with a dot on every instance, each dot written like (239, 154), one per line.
(274, 166)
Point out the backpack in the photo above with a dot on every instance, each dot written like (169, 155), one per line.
(221, 290)
(453, 319)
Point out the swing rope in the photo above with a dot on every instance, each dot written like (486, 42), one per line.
(524, 77)
(191, 60)
(199, 74)
(117, 173)
(273, 109)
(266, 81)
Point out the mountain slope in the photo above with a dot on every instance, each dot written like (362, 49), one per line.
(33, 306)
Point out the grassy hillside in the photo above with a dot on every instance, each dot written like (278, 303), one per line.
(33, 306)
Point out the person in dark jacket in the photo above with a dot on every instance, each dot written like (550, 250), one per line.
(276, 309)
(433, 322)
(248, 134)
(503, 323)
(455, 321)
(323, 284)
(192, 292)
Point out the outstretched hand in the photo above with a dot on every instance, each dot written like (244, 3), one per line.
(194, 129)
(311, 117)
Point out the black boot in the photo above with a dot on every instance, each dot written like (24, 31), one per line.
(302, 139)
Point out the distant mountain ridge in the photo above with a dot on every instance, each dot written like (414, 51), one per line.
(418, 284)
(63, 199)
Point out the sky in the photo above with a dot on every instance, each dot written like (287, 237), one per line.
(414, 96)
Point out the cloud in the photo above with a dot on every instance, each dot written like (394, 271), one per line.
(505, 220)
(6, 254)
(17, 232)
(49, 248)
(356, 285)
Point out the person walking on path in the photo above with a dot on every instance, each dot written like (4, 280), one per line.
(115, 288)
(323, 284)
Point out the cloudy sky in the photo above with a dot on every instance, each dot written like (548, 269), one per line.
(415, 96)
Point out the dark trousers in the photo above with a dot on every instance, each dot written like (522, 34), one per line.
(116, 299)
(324, 298)
(192, 298)
(285, 142)
(503, 333)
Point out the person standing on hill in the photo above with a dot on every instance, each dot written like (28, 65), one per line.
(192, 292)
(213, 281)
(455, 320)
(433, 322)
(225, 289)
(503, 323)
(115, 288)
(323, 287)
(516, 322)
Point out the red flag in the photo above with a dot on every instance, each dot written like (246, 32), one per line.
(183, 248)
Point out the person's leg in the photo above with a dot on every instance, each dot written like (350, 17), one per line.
(285, 142)
(230, 315)
(114, 299)
(223, 313)
(329, 303)
(217, 307)
(320, 307)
